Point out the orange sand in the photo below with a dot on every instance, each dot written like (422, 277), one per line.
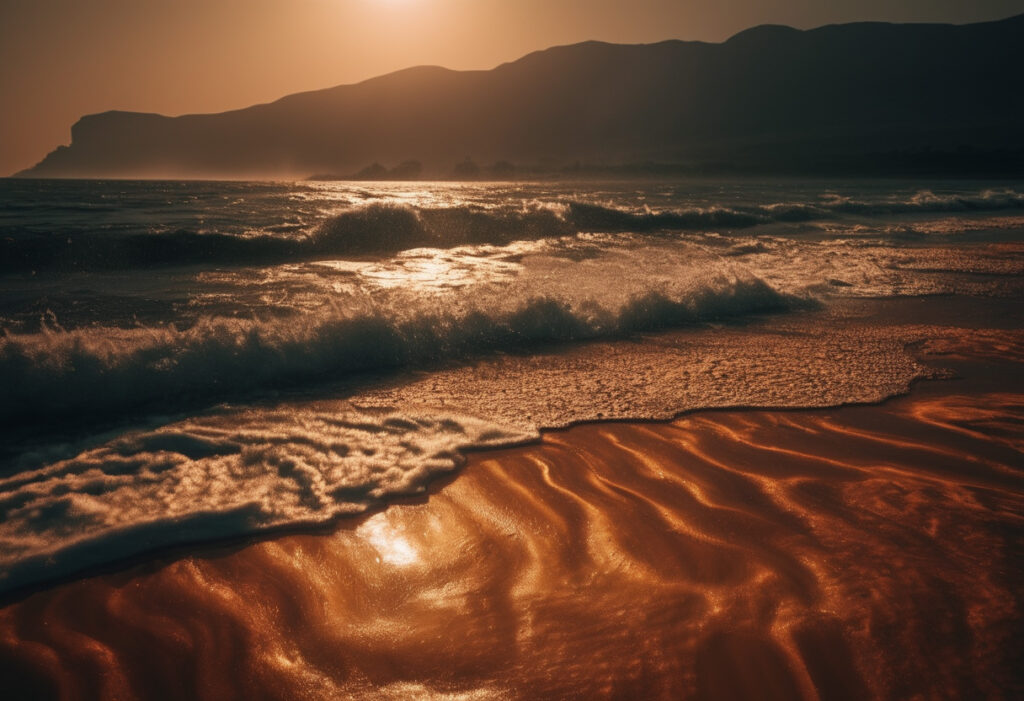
(852, 553)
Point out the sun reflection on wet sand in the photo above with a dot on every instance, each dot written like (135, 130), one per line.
(391, 546)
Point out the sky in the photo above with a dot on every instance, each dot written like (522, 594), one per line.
(61, 59)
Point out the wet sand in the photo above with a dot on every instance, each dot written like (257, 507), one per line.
(857, 552)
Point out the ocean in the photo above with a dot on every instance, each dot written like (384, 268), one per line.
(192, 362)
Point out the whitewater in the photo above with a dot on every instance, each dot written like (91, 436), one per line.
(191, 361)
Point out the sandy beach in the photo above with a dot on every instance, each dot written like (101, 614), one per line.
(857, 552)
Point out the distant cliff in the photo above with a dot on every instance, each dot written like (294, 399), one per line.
(868, 97)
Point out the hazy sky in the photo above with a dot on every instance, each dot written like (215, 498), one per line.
(60, 59)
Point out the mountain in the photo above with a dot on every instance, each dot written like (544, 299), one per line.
(865, 97)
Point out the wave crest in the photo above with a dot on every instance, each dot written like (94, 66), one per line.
(110, 370)
(381, 228)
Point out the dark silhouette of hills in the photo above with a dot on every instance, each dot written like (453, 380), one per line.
(856, 98)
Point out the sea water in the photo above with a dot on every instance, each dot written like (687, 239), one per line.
(191, 361)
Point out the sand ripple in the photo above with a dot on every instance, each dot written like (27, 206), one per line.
(854, 553)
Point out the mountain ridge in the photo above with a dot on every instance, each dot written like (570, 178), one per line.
(858, 97)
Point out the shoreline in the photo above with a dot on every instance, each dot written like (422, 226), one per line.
(934, 371)
(480, 531)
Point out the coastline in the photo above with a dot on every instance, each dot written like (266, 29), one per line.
(844, 553)
(861, 352)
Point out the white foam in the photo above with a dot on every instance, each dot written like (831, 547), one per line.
(226, 474)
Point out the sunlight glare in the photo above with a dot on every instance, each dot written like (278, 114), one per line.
(387, 541)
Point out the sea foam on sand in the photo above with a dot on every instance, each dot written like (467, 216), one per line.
(236, 471)
(859, 552)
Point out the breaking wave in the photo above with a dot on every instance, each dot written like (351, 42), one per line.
(387, 228)
(92, 370)
(926, 201)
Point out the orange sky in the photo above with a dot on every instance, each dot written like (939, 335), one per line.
(60, 59)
